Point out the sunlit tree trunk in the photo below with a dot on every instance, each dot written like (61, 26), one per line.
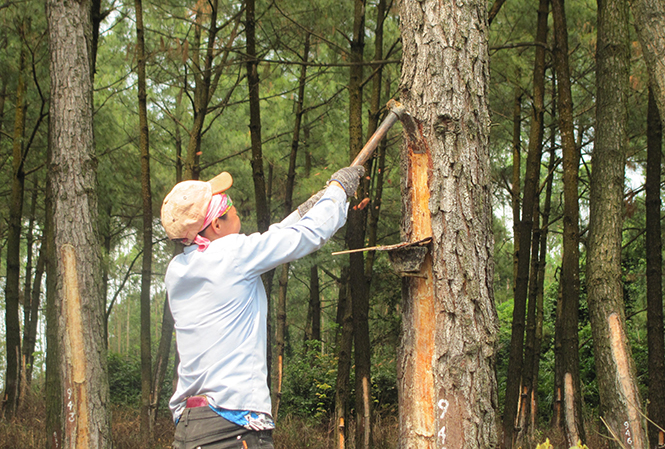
(446, 379)
(656, 404)
(568, 372)
(77, 384)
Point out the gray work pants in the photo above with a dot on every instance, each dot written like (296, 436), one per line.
(201, 427)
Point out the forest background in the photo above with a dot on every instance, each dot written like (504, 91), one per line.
(199, 116)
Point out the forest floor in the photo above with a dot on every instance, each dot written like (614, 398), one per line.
(27, 431)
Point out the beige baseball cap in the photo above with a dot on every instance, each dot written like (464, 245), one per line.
(184, 208)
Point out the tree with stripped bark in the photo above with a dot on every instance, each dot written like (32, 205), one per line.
(446, 381)
(617, 384)
(77, 385)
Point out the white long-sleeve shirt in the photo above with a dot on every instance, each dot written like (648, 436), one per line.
(219, 306)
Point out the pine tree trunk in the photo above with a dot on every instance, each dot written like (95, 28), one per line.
(280, 331)
(12, 284)
(529, 204)
(355, 238)
(654, 244)
(344, 344)
(532, 412)
(77, 382)
(615, 368)
(569, 373)
(313, 323)
(535, 145)
(146, 268)
(377, 169)
(30, 331)
(446, 379)
(515, 191)
(649, 22)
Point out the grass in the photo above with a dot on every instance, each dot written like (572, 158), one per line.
(28, 431)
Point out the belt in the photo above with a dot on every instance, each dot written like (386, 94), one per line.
(196, 401)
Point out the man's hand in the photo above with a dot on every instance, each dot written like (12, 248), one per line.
(348, 178)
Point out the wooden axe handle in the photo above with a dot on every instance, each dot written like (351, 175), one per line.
(396, 112)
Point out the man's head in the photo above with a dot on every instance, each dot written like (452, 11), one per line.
(189, 208)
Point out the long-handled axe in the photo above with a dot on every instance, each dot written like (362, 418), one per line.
(413, 133)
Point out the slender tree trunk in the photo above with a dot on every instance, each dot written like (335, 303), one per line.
(166, 334)
(280, 331)
(313, 323)
(344, 344)
(656, 404)
(532, 180)
(12, 289)
(146, 268)
(532, 412)
(529, 202)
(446, 378)
(572, 422)
(77, 382)
(515, 192)
(27, 296)
(355, 238)
(377, 169)
(649, 22)
(30, 331)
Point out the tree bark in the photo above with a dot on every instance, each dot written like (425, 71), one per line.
(532, 180)
(569, 373)
(12, 284)
(446, 379)
(344, 345)
(654, 244)
(77, 382)
(615, 368)
(146, 267)
(515, 191)
(649, 22)
(313, 323)
(280, 331)
(529, 202)
(355, 238)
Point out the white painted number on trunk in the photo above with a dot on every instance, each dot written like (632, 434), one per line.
(629, 439)
(70, 406)
(443, 405)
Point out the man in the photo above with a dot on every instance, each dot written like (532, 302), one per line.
(220, 308)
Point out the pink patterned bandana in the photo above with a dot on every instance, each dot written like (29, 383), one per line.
(219, 205)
